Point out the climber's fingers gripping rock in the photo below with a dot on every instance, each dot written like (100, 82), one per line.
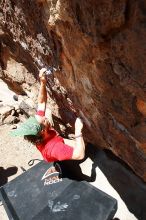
(42, 75)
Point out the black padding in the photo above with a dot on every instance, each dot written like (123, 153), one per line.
(43, 193)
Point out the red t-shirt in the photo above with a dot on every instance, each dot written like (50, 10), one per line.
(54, 148)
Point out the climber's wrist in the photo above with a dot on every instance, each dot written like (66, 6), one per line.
(78, 135)
(43, 82)
(78, 132)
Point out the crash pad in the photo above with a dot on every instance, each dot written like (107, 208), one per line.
(46, 192)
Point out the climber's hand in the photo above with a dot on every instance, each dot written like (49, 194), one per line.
(42, 75)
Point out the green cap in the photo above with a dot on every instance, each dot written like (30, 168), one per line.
(29, 127)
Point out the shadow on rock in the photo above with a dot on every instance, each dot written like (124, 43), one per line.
(5, 173)
(129, 186)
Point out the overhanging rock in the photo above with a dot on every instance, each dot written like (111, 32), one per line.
(99, 49)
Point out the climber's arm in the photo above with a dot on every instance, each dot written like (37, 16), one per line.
(42, 96)
(78, 144)
(79, 149)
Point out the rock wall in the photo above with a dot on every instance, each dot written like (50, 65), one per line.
(99, 50)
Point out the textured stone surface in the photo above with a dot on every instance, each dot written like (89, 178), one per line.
(99, 48)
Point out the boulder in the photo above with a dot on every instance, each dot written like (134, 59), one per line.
(5, 111)
(11, 120)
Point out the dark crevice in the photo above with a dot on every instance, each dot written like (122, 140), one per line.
(1, 60)
(56, 49)
(78, 13)
(127, 11)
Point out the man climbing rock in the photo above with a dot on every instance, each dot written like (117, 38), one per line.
(39, 131)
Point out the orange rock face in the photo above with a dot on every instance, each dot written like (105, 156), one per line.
(141, 106)
(99, 48)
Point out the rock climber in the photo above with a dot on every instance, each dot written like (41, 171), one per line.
(39, 131)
